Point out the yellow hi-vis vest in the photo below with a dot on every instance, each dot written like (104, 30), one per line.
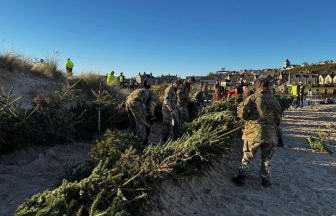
(110, 77)
(294, 90)
(121, 78)
(69, 64)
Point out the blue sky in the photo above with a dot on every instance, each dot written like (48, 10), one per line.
(184, 37)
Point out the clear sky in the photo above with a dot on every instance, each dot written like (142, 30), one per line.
(183, 37)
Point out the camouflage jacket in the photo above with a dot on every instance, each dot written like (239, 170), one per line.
(183, 95)
(262, 113)
(170, 98)
(199, 98)
(141, 96)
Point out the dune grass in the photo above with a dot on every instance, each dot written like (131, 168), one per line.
(49, 69)
(13, 62)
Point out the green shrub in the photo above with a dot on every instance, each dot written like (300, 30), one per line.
(285, 101)
(17, 127)
(159, 90)
(113, 114)
(78, 171)
(321, 140)
(318, 145)
(212, 119)
(113, 144)
(55, 120)
(221, 105)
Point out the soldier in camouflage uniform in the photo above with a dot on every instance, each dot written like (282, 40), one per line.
(183, 100)
(262, 114)
(199, 98)
(140, 104)
(169, 110)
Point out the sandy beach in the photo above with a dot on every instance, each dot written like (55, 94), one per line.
(303, 181)
(24, 173)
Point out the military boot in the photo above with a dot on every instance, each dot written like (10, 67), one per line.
(280, 143)
(145, 142)
(265, 182)
(239, 180)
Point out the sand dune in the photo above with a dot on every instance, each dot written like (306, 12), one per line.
(27, 85)
(30, 171)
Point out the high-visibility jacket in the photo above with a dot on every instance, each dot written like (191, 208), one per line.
(110, 77)
(121, 78)
(294, 90)
(301, 89)
(69, 64)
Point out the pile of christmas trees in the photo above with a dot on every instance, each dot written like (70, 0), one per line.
(126, 172)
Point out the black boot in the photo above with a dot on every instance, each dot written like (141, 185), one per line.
(239, 180)
(280, 143)
(145, 142)
(265, 182)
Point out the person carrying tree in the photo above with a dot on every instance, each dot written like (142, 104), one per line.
(169, 110)
(140, 106)
(183, 100)
(199, 98)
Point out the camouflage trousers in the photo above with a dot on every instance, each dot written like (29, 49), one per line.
(250, 149)
(170, 125)
(137, 115)
(183, 114)
(199, 108)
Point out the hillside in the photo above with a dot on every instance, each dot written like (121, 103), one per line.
(28, 79)
(317, 69)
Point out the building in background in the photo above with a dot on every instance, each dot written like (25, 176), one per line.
(166, 79)
(141, 77)
(287, 65)
(327, 78)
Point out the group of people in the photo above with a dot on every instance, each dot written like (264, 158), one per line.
(110, 78)
(260, 111)
(239, 93)
(297, 92)
(133, 84)
(141, 104)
